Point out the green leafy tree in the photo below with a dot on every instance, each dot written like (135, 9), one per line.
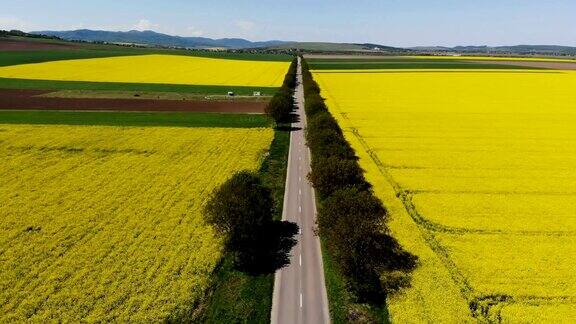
(241, 209)
(352, 221)
(333, 173)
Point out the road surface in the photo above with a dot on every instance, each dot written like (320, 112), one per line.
(299, 289)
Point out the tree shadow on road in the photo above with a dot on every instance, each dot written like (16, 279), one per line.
(269, 249)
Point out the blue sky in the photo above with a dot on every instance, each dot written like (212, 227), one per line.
(387, 22)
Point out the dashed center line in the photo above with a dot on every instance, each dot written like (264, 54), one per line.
(300, 300)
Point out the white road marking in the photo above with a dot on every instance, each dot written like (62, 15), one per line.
(300, 260)
(300, 158)
(299, 178)
(300, 192)
(299, 209)
(300, 300)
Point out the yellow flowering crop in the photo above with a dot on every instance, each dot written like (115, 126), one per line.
(166, 69)
(478, 170)
(104, 224)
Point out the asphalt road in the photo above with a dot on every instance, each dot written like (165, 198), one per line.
(299, 289)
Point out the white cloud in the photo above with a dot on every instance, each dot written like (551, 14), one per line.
(193, 31)
(245, 25)
(145, 24)
(8, 23)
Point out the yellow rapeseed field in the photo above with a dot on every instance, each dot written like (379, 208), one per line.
(166, 69)
(478, 170)
(102, 224)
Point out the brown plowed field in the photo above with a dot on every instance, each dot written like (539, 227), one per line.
(26, 99)
(7, 44)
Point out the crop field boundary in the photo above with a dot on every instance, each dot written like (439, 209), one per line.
(487, 307)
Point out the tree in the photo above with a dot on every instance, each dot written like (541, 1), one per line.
(328, 142)
(323, 120)
(241, 209)
(352, 221)
(238, 205)
(281, 106)
(314, 104)
(333, 173)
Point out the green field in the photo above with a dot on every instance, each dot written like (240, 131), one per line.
(135, 119)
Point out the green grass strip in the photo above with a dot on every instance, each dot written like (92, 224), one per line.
(8, 83)
(134, 119)
(237, 297)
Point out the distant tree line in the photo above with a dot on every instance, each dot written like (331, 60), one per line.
(351, 220)
(14, 32)
(281, 106)
(241, 210)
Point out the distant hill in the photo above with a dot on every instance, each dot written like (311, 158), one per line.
(152, 38)
(516, 49)
(337, 47)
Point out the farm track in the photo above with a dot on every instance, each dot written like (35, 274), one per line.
(30, 100)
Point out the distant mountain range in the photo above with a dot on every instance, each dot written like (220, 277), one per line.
(152, 38)
(517, 49)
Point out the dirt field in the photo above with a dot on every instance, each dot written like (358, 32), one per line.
(28, 99)
(7, 44)
(535, 64)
